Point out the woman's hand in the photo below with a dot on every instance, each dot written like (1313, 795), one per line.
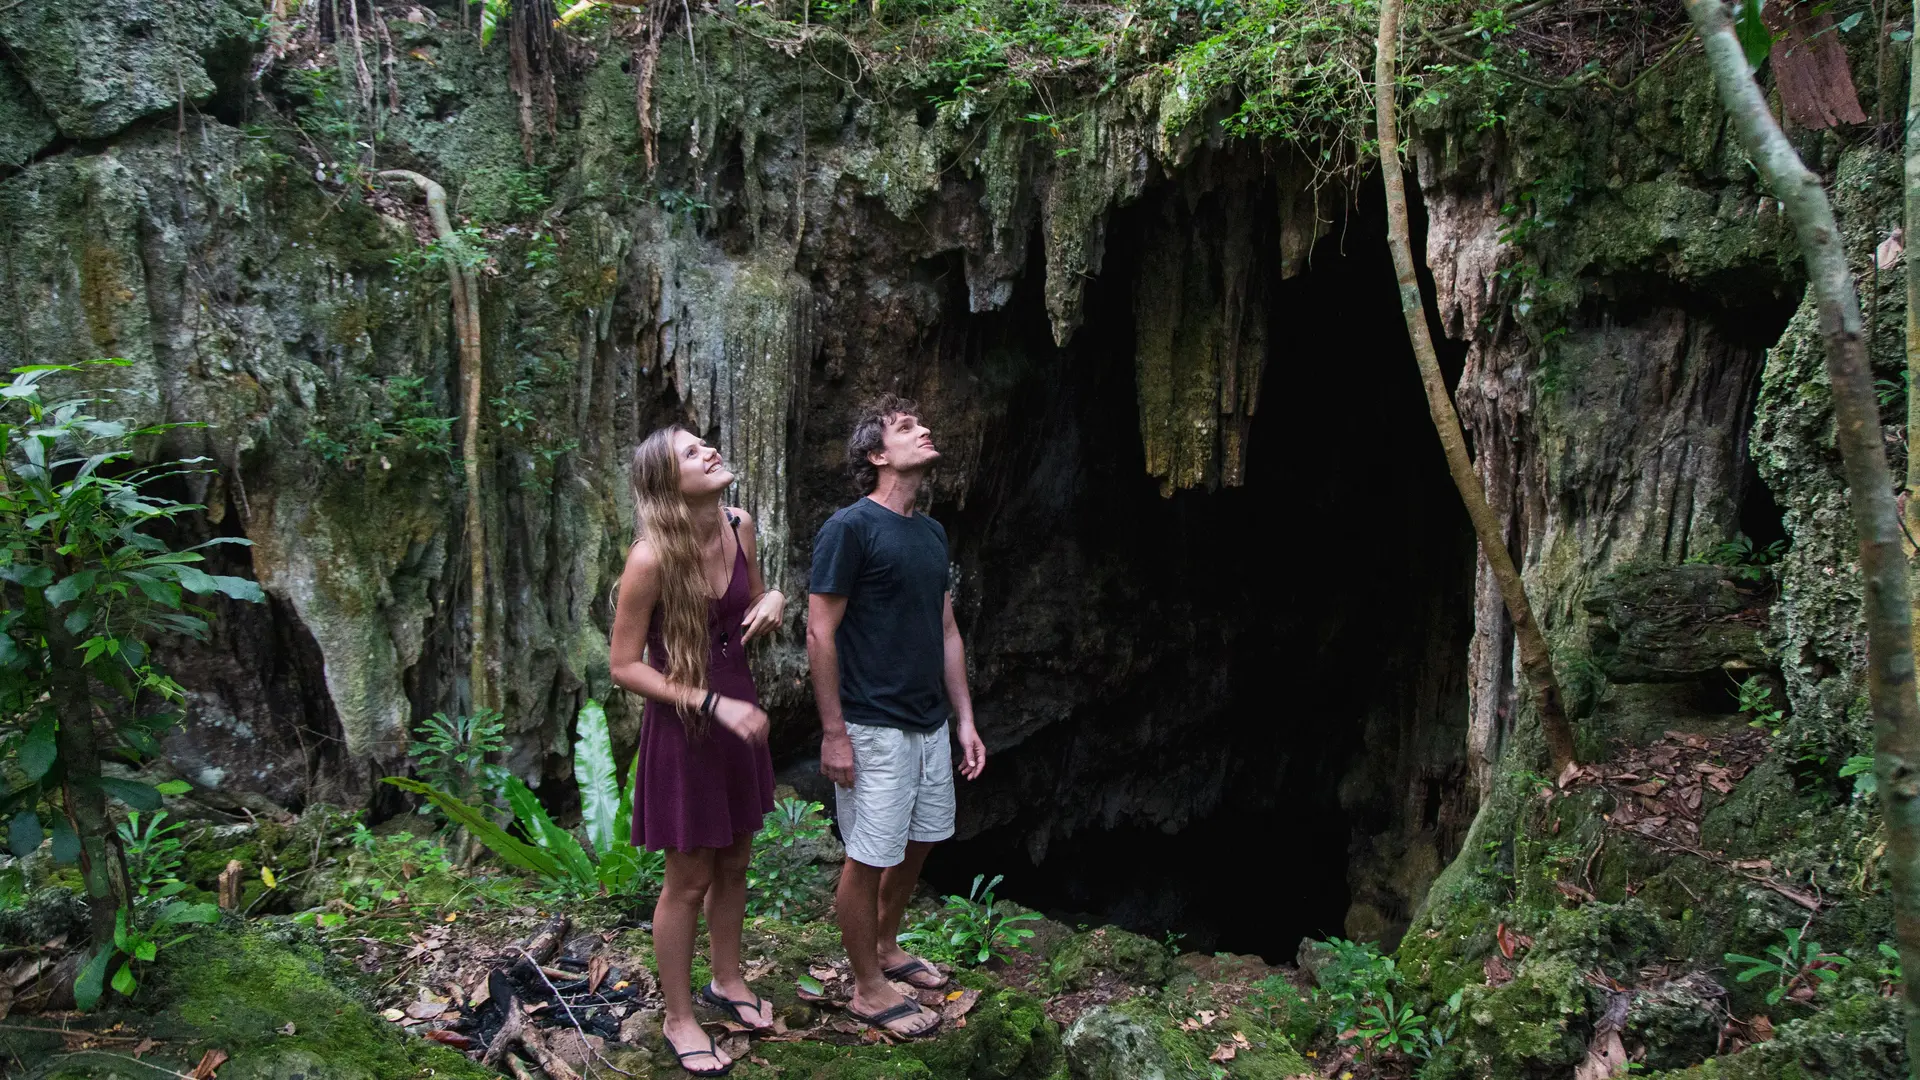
(764, 616)
(743, 719)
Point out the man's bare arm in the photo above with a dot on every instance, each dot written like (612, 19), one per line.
(973, 752)
(824, 612)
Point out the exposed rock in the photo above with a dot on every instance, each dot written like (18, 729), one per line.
(1106, 1044)
(98, 67)
(1109, 950)
(1670, 623)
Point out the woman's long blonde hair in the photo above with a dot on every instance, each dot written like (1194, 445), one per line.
(664, 521)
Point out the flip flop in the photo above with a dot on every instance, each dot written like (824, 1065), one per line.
(904, 1009)
(732, 1008)
(712, 1051)
(905, 972)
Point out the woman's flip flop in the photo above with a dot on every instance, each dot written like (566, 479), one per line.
(732, 1008)
(712, 1051)
(904, 1009)
(905, 972)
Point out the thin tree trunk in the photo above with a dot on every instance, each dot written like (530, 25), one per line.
(1536, 661)
(1896, 711)
(465, 287)
(85, 802)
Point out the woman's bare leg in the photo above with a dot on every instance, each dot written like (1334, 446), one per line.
(676, 919)
(726, 910)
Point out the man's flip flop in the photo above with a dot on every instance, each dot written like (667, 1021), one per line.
(732, 1008)
(712, 1051)
(905, 972)
(904, 1009)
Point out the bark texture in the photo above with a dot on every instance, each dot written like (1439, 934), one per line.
(1536, 660)
(1889, 615)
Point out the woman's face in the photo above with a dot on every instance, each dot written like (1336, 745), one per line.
(701, 470)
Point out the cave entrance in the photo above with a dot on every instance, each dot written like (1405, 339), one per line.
(1234, 715)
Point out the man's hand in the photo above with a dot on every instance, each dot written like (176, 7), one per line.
(836, 758)
(973, 753)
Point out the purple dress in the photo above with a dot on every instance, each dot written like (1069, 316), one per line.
(702, 791)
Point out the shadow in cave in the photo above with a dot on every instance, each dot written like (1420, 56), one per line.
(1235, 715)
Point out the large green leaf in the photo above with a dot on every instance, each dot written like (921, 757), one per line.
(593, 770)
(92, 981)
(132, 792)
(513, 852)
(24, 834)
(623, 820)
(1755, 39)
(38, 751)
(535, 822)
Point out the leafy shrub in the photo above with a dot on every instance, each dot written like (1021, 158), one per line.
(971, 929)
(783, 876)
(608, 864)
(452, 752)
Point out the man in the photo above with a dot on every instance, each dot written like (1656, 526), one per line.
(889, 672)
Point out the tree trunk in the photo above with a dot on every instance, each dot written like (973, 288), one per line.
(84, 800)
(465, 286)
(1896, 712)
(1536, 661)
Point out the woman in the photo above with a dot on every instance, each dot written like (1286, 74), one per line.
(690, 600)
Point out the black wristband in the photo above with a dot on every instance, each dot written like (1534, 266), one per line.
(706, 704)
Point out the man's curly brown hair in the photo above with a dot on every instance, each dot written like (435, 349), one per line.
(868, 429)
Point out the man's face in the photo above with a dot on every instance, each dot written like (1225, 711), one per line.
(905, 444)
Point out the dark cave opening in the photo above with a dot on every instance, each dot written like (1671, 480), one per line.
(1235, 715)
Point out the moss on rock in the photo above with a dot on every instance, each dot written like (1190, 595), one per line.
(1140, 961)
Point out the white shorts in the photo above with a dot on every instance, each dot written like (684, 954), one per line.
(902, 790)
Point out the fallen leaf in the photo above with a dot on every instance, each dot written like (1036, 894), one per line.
(451, 1038)
(955, 996)
(425, 1010)
(823, 972)
(597, 969)
(810, 988)
(1762, 1028)
(209, 1063)
(1223, 1053)
(1569, 774)
(958, 1006)
(267, 878)
(394, 1015)
(1651, 787)
(621, 985)
(1206, 1017)
(288, 1028)
(451, 915)
(1498, 974)
(1504, 939)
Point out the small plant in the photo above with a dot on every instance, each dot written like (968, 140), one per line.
(972, 929)
(152, 851)
(1446, 1020)
(1799, 965)
(138, 944)
(1748, 563)
(1755, 702)
(783, 876)
(1859, 768)
(1355, 977)
(1889, 970)
(452, 753)
(1385, 1025)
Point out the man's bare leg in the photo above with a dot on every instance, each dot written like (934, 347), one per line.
(896, 889)
(858, 904)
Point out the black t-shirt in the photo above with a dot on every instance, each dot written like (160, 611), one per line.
(892, 645)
